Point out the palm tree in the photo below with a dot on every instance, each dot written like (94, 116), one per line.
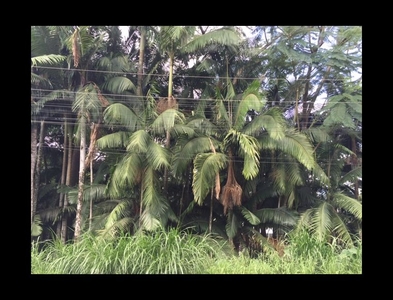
(339, 210)
(43, 54)
(142, 165)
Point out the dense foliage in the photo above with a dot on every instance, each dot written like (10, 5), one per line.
(233, 131)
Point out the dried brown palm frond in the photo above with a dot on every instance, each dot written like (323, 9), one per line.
(232, 192)
(165, 103)
(75, 49)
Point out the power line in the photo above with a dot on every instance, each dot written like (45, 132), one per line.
(178, 75)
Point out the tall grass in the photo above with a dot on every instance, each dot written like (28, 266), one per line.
(304, 254)
(179, 252)
(159, 252)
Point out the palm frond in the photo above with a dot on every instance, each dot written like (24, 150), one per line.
(341, 231)
(232, 225)
(157, 156)
(250, 217)
(37, 79)
(317, 134)
(126, 174)
(252, 100)
(50, 59)
(286, 175)
(50, 214)
(272, 121)
(95, 192)
(206, 167)
(248, 148)
(222, 117)
(117, 63)
(119, 212)
(36, 227)
(181, 129)
(62, 95)
(139, 141)
(349, 204)
(351, 176)
(166, 121)
(279, 216)
(120, 114)
(319, 220)
(222, 36)
(87, 100)
(118, 85)
(186, 149)
(202, 125)
(114, 140)
(293, 143)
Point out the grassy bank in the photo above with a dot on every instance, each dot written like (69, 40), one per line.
(174, 252)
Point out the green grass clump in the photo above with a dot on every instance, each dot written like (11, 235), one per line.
(158, 252)
(178, 252)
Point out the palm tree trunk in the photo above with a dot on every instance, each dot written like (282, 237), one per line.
(81, 181)
(63, 178)
(34, 154)
(64, 220)
(354, 165)
(37, 170)
(142, 43)
(168, 134)
(91, 197)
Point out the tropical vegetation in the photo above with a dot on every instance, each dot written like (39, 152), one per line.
(241, 138)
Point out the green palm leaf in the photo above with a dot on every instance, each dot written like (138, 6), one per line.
(185, 150)
(181, 129)
(52, 96)
(341, 231)
(139, 141)
(202, 125)
(223, 36)
(50, 59)
(114, 140)
(232, 225)
(249, 150)
(319, 220)
(279, 216)
(351, 176)
(166, 120)
(157, 156)
(127, 173)
(286, 175)
(118, 213)
(272, 121)
(206, 166)
(36, 227)
(120, 114)
(251, 100)
(118, 85)
(349, 204)
(250, 217)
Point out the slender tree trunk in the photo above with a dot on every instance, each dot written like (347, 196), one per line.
(81, 181)
(64, 221)
(63, 178)
(354, 165)
(139, 90)
(34, 154)
(37, 169)
(170, 99)
(211, 211)
(91, 197)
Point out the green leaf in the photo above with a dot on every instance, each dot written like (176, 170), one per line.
(250, 217)
(36, 227)
(118, 85)
(206, 166)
